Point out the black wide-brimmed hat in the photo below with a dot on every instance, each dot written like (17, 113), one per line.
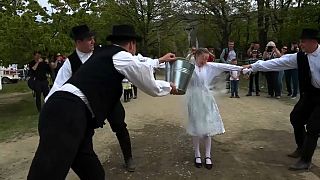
(81, 32)
(123, 32)
(310, 34)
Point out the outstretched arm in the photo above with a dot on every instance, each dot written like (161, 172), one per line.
(140, 74)
(285, 62)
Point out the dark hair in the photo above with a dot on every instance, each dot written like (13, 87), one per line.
(122, 42)
(231, 41)
(36, 52)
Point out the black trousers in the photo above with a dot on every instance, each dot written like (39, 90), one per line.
(135, 90)
(65, 141)
(40, 87)
(126, 94)
(254, 77)
(291, 76)
(306, 112)
(272, 81)
(117, 123)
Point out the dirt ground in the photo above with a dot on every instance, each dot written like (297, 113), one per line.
(258, 137)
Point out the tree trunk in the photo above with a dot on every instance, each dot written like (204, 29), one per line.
(262, 29)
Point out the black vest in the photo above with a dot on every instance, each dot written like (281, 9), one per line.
(304, 75)
(100, 82)
(75, 62)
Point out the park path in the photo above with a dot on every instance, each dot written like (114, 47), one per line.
(258, 137)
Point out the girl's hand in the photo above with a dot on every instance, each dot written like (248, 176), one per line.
(173, 89)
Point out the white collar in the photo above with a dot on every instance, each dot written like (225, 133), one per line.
(82, 54)
(316, 52)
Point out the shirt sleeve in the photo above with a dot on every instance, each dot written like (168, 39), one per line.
(288, 61)
(64, 74)
(140, 74)
(222, 67)
(153, 62)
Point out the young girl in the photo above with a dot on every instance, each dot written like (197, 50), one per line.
(204, 117)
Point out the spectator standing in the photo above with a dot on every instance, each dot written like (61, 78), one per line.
(291, 75)
(38, 73)
(254, 76)
(272, 52)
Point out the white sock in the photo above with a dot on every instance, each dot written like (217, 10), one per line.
(207, 142)
(196, 145)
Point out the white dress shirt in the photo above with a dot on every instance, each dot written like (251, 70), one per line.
(139, 73)
(65, 73)
(289, 61)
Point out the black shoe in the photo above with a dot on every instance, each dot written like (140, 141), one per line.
(257, 94)
(135, 97)
(197, 165)
(231, 96)
(300, 165)
(208, 166)
(237, 96)
(249, 94)
(130, 165)
(289, 94)
(295, 154)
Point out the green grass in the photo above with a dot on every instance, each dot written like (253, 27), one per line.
(18, 114)
(19, 87)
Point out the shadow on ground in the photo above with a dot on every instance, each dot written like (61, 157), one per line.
(164, 152)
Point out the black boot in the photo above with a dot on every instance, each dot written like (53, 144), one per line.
(125, 144)
(300, 165)
(295, 154)
(310, 144)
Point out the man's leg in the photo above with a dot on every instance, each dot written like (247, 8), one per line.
(117, 123)
(62, 126)
(288, 75)
(276, 84)
(295, 82)
(250, 85)
(269, 83)
(45, 88)
(86, 163)
(310, 142)
(257, 84)
(135, 92)
(37, 91)
(298, 118)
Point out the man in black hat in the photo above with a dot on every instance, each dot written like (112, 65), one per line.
(70, 115)
(84, 41)
(84, 46)
(307, 110)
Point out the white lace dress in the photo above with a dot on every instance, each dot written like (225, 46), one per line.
(204, 117)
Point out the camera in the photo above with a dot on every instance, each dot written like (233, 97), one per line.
(270, 48)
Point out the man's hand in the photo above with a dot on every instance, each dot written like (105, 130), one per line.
(169, 57)
(173, 89)
(40, 60)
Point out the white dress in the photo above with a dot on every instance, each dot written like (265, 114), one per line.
(204, 117)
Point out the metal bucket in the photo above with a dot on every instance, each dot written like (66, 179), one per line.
(179, 73)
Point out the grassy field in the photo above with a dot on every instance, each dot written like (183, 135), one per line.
(18, 114)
